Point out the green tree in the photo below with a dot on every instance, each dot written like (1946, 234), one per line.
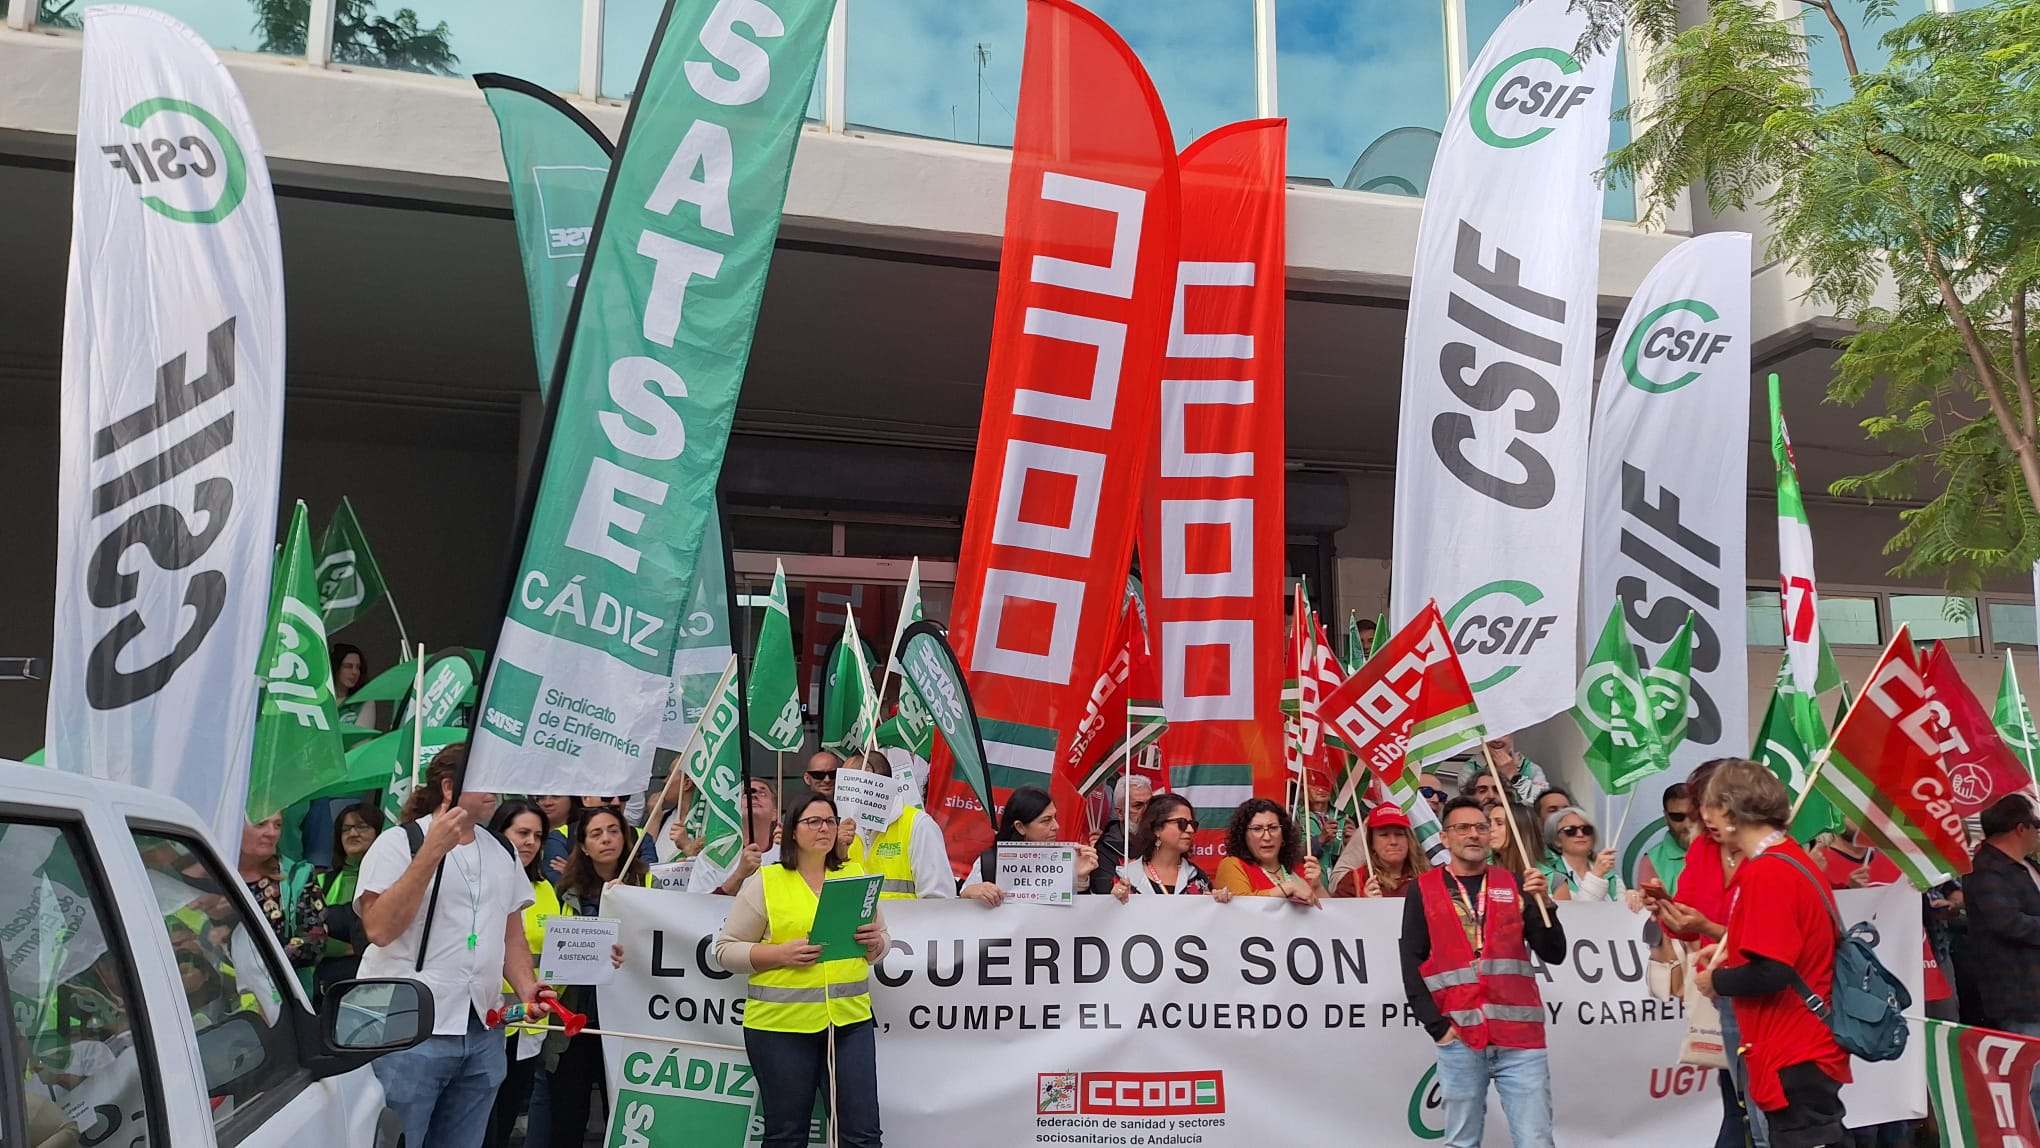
(360, 36)
(1911, 205)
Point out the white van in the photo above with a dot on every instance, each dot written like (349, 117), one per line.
(149, 1004)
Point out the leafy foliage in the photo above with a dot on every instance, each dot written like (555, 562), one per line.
(1911, 205)
(360, 35)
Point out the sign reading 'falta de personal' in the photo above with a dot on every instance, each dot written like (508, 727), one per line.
(659, 337)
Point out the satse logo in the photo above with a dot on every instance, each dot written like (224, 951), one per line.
(186, 159)
(1523, 93)
(1675, 335)
(1495, 622)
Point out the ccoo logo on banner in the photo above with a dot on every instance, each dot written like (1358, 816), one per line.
(172, 422)
(1497, 365)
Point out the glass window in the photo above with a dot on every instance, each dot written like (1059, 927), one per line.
(1936, 617)
(627, 27)
(945, 69)
(1844, 620)
(231, 983)
(71, 994)
(2012, 624)
(1828, 71)
(536, 40)
(274, 26)
(1199, 53)
(1364, 88)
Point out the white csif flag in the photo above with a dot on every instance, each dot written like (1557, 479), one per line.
(172, 423)
(1665, 535)
(1498, 366)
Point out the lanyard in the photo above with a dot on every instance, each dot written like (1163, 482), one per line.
(1155, 878)
(1477, 916)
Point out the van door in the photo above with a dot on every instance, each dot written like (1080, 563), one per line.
(248, 1015)
(79, 1050)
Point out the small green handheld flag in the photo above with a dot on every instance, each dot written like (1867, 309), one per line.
(1614, 712)
(297, 726)
(774, 697)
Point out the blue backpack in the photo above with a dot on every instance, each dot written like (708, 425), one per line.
(1867, 1014)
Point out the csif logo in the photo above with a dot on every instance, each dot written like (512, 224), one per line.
(187, 163)
(1526, 90)
(1427, 1103)
(1495, 621)
(1675, 335)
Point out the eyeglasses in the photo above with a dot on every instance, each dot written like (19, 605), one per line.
(1677, 818)
(357, 827)
(1467, 828)
(1431, 794)
(1265, 830)
(1576, 830)
(819, 822)
(819, 774)
(1183, 823)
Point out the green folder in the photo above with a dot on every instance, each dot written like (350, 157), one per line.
(847, 904)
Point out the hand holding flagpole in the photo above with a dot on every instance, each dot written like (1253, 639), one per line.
(1508, 809)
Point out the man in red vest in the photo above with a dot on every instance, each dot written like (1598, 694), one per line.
(1466, 943)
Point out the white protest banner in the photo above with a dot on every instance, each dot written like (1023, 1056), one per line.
(673, 874)
(1044, 874)
(1498, 365)
(1222, 1025)
(576, 950)
(1665, 535)
(172, 423)
(869, 799)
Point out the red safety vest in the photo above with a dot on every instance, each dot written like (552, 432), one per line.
(1492, 998)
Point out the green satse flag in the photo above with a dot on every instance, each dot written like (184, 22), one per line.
(930, 666)
(557, 162)
(1669, 685)
(297, 727)
(1613, 710)
(846, 696)
(1786, 742)
(349, 581)
(658, 341)
(774, 700)
(2014, 721)
(713, 761)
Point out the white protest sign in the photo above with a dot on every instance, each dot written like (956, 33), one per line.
(1024, 1024)
(869, 799)
(576, 950)
(906, 769)
(1043, 874)
(673, 874)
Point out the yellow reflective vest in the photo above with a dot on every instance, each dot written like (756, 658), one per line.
(807, 999)
(890, 857)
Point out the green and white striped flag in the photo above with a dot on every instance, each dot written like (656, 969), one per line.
(774, 701)
(1799, 600)
(1978, 1081)
(1214, 791)
(714, 761)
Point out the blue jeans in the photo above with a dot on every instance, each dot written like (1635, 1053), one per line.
(1522, 1078)
(792, 1068)
(1739, 1073)
(442, 1090)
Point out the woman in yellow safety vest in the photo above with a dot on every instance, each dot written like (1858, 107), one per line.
(800, 1008)
(522, 825)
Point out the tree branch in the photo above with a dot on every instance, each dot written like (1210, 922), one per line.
(1841, 32)
(2022, 367)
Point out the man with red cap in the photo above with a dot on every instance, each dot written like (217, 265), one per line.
(1323, 827)
(1468, 932)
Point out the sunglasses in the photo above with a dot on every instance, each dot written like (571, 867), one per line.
(1678, 818)
(819, 774)
(1576, 830)
(1183, 823)
(1431, 794)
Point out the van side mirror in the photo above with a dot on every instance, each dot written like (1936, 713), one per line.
(375, 1016)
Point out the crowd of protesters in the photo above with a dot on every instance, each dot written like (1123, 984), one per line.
(458, 892)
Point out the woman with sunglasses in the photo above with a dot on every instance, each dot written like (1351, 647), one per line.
(807, 1023)
(1264, 855)
(1577, 870)
(1161, 853)
(1029, 816)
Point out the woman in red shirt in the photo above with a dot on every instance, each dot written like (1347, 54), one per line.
(1778, 928)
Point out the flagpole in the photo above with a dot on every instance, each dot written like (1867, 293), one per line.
(417, 726)
(1819, 762)
(1623, 823)
(402, 637)
(1509, 809)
